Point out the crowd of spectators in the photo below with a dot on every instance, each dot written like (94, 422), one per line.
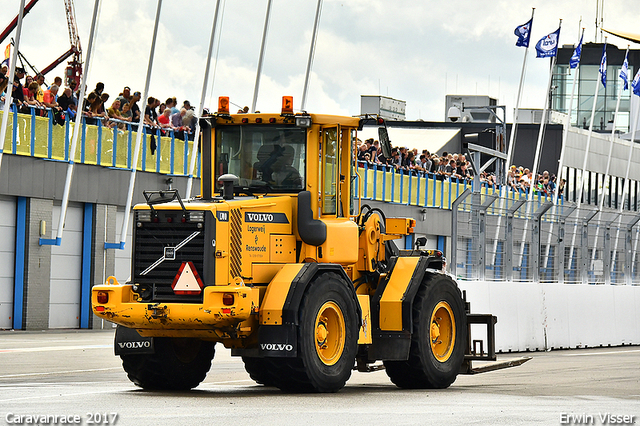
(125, 108)
(63, 101)
(410, 161)
(520, 178)
(450, 166)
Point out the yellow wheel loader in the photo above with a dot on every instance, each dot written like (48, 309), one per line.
(278, 260)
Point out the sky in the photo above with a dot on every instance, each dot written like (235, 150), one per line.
(415, 51)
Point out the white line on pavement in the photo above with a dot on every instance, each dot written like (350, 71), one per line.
(603, 353)
(59, 372)
(53, 348)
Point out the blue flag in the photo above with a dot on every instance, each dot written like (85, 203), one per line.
(575, 58)
(547, 47)
(524, 33)
(603, 66)
(624, 72)
(635, 84)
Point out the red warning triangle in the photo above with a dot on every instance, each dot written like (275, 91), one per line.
(187, 280)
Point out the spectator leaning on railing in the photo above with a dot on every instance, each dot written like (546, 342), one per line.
(49, 101)
(123, 110)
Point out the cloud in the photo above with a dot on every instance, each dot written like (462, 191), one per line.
(414, 51)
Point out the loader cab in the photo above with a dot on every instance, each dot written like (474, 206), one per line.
(277, 154)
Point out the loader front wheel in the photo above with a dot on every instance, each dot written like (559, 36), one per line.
(327, 338)
(438, 340)
(177, 364)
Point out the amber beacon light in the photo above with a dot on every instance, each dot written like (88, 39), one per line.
(223, 105)
(287, 104)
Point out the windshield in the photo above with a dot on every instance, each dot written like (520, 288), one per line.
(269, 157)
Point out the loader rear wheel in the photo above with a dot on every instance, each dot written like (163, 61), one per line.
(438, 340)
(261, 370)
(327, 339)
(177, 364)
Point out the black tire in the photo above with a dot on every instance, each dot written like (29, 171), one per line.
(433, 366)
(177, 364)
(261, 370)
(327, 306)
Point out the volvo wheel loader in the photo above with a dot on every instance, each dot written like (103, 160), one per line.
(279, 261)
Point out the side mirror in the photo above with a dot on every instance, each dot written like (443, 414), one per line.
(421, 242)
(385, 144)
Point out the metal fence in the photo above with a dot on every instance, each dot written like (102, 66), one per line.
(385, 183)
(505, 239)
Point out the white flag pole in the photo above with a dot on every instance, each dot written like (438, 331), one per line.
(606, 177)
(586, 155)
(196, 136)
(534, 168)
(8, 100)
(512, 138)
(514, 128)
(565, 131)
(536, 160)
(586, 151)
(261, 59)
(77, 129)
(613, 134)
(634, 128)
(136, 152)
(311, 53)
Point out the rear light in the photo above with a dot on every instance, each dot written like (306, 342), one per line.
(245, 120)
(169, 219)
(380, 120)
(272, 120)
(100, 308)
(103, 297)
(287, 105)
(228, 299)
(223, 105)
(143, 215)
(258, 120)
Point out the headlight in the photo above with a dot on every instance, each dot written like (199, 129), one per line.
(303, 121)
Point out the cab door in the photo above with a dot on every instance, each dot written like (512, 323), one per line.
(330, 171)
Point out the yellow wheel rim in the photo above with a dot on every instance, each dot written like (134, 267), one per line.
(330, 333)
(443, 331)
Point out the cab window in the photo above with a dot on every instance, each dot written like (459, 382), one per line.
(263, 156)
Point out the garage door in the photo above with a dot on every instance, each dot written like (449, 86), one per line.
(66, 269)
(7, 259)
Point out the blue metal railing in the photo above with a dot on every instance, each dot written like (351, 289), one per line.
(386, 183)
(41, 137)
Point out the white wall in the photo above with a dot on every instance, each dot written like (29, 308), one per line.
(7, 259)
(534, 316)
(66, 269)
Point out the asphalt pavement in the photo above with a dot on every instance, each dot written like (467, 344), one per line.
(75, 376)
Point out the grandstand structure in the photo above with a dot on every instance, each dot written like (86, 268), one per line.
(47, 286)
